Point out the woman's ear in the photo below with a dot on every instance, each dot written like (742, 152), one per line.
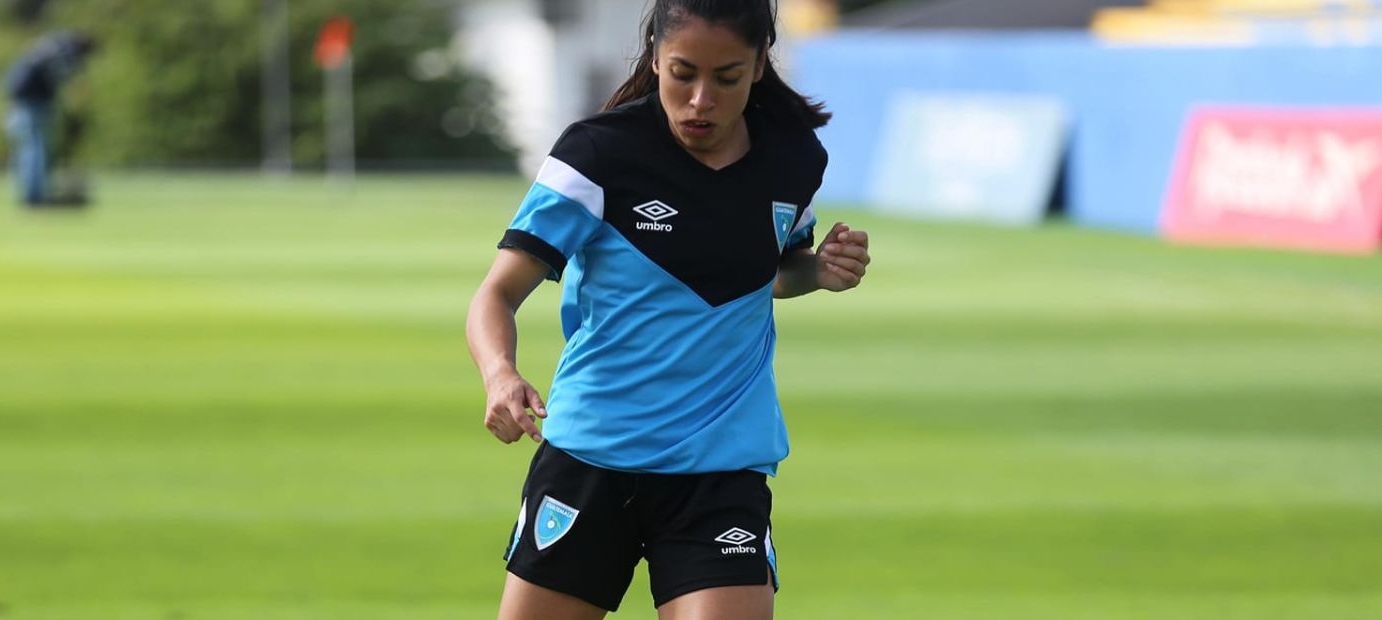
(760, 65)
(653, 45)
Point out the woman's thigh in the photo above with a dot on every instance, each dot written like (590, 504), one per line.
(724, 603)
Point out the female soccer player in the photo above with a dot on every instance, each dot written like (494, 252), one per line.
(675, 216)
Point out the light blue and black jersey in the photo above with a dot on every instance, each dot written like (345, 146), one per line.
(667, 301)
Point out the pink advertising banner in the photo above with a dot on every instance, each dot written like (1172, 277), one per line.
(1305, 178)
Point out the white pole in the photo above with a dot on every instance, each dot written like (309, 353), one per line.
(275, 84)
(340, 122)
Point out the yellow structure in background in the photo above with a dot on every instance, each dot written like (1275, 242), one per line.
(1240, 22)
(802, 18)
(1259, 8)
(1146, 25)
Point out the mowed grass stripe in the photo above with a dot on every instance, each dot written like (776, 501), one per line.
(226, 397)
(263, 472)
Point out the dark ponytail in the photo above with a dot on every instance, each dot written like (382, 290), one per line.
(755, 21)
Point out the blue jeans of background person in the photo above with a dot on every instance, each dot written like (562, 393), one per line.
(27, 124)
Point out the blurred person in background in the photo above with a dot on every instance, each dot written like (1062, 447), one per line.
(33, 83)
(676, 216)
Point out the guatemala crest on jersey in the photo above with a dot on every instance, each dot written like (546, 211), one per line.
(784, 213)
(554, 520)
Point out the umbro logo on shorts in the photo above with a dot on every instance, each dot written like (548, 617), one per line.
(554, 520)
(736, 537)
(655, 211)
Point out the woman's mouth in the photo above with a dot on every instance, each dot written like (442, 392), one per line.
(697, 129)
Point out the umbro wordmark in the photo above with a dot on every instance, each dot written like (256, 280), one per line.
(655, 211)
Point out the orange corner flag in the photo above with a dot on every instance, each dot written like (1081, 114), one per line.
(333, 42)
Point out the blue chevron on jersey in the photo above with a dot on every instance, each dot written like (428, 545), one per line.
(554, 520)
(784, 213)
(705, 402)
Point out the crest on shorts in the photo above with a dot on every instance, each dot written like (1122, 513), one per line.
(554, 520)
(784, 213)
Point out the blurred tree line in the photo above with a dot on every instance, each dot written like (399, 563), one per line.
(178, 82)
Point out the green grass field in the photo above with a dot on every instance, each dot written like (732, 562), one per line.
(224, 397)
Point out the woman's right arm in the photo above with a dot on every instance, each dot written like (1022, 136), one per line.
(493, 338)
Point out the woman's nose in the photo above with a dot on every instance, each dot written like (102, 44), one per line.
(701, 96)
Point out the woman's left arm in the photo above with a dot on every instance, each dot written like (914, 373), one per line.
(838, 264)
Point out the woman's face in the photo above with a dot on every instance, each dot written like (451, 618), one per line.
(704, 76)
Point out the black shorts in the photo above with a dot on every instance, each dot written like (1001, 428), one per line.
(583, 529)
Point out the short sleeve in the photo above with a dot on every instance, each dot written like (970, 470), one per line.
(803, 234)
(564, 207)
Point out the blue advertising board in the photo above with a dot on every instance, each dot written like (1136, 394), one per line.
(969, 156)
(1126, 104)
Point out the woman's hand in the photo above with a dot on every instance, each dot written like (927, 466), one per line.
(493, 338)
(842, 258)
(509, 398)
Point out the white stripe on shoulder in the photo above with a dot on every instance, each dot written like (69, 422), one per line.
(567, 181)
(807, 220)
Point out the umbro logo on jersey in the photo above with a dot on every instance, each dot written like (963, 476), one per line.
(655, 211)
(736, 537)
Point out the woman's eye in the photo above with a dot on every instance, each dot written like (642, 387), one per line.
(729, 81)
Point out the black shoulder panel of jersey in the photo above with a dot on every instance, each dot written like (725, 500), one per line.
(576, 148)
(713, 230)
